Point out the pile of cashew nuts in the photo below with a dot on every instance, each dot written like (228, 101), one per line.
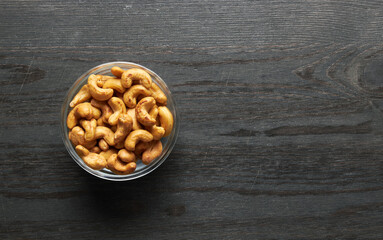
(116, 120)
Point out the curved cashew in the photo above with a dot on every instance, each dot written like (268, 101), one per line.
(166, 119)
(126, 156)
(97, 92)
(140, 148)
(142, 111)
(106, 134)
(93, 160)
(114, 84)
(95, 149)
(103, 145)
(96, 113)
(154, 151)
(132, 113)
(77, 137)
(101, 79)
(82, 96)
(117, 71)
(130, 96)
(106, 110)
(119, 167)
(118, 107)
(136, 75)
(156, 131)
(82, 110)
(135, 136)
(124, 126)
(158, 94)
(106, 154)
(90, 128)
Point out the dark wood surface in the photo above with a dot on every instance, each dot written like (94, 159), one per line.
(281, 133)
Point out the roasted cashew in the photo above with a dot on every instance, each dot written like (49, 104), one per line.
(142, 111)
(93, 160)
(106, 154)
(151, 153)
(135, 136)
(124, 126)
(166, 119)
(140, 148)
(118, 107)
(96, 113)
(103, 145)
(105, 108)
(97, 92)
(89, 127)
(132, 113)
(115, 84)
(158, 94)
(101, 79)
(156, 131)
(119, 167)
(117, 71)
(95, 149)
(82, 96)
(126, 156)
(82, 110)
(136, 75)
(106, 134)
(130, 96)
(77, 137)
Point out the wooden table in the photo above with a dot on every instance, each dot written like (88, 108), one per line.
(281, 131)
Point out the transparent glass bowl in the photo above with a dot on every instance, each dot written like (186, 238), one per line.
(167, 142)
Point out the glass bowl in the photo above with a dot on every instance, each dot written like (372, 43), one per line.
(167, 142)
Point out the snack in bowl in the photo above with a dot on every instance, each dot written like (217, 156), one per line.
(118, 120)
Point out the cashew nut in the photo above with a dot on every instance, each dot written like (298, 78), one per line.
(136, 75)
(140, 148)
(119, 167)
(135, 136)
(101, 79)
(82, 96)
(132, 114)
(106, 134)
(77, 137)
(124, 126)
(103, 145)
(106, 154)
(142, 111)
(95, 149)
(166, 119)
(90, 128)
(156, 131)
(82, 110)
(126, 156)
(97, 92)
(118, 107)
(117, 71)
(93, 160)
(130, 96)
(158, 94)
(105, 108)
(114, 84)
(151, 153)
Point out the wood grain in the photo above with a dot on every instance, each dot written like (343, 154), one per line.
(281, 119)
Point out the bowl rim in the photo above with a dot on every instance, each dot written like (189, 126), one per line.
(114, 177)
